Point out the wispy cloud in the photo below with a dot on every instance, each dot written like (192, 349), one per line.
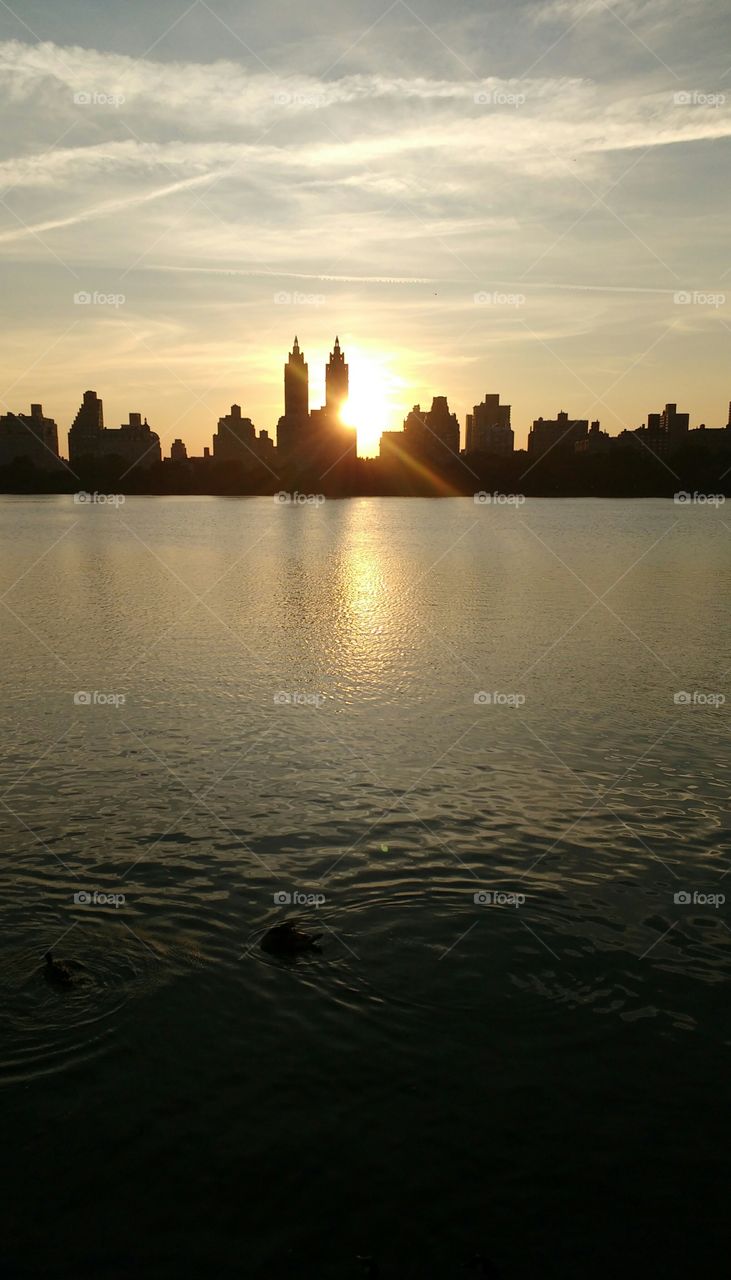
(426, 167)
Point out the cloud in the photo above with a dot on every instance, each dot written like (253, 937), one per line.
(405, 185)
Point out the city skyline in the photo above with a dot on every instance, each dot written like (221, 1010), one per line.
(300, 431)
(532, 198)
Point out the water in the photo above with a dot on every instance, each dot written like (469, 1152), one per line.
(542, 1082)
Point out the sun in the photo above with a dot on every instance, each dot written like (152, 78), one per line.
(373, 398)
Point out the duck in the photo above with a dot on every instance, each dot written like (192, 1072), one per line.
(482, 1266)
(288, 939)
(369, 1265)
(57, 972)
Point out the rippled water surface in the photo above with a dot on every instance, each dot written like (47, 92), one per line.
(396, 705)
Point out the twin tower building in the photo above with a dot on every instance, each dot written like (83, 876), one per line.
(315, 438)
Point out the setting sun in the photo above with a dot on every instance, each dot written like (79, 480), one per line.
(374, 401)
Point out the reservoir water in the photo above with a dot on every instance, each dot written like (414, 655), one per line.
(484, 750)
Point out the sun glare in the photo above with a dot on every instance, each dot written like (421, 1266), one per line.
(373, 400)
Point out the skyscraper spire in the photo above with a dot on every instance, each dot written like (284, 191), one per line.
(296, 405)
(336, 379)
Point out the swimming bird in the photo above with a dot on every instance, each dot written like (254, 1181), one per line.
(57, 972)
(482, 1266)
(288, 939)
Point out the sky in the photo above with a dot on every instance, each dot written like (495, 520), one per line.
(522, 198)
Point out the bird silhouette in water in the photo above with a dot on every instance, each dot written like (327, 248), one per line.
(479, 1265)
(289, 940)
(369, 1266)
(56, 972)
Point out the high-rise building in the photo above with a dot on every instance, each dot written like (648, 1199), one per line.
(29, 437)
(434, 432)
(556, 435)
(488, 428)
(234, 441)
(317, 441)
(676, 425)
(89, 440)
(336, 380)
(431, 435)
(86, 428)
(296, 384)
(292, 426)
(178, 451)
(597, 441)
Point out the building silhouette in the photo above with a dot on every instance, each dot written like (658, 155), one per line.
(292, 426)
(556, 434)
(29, 437)
(662, 435)
(488, 428)
(178, 451)
(597, 441)
(318, 441)
(336, 380)
(429, 437)
(90, 441)
(86, 428)
(236, 441)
